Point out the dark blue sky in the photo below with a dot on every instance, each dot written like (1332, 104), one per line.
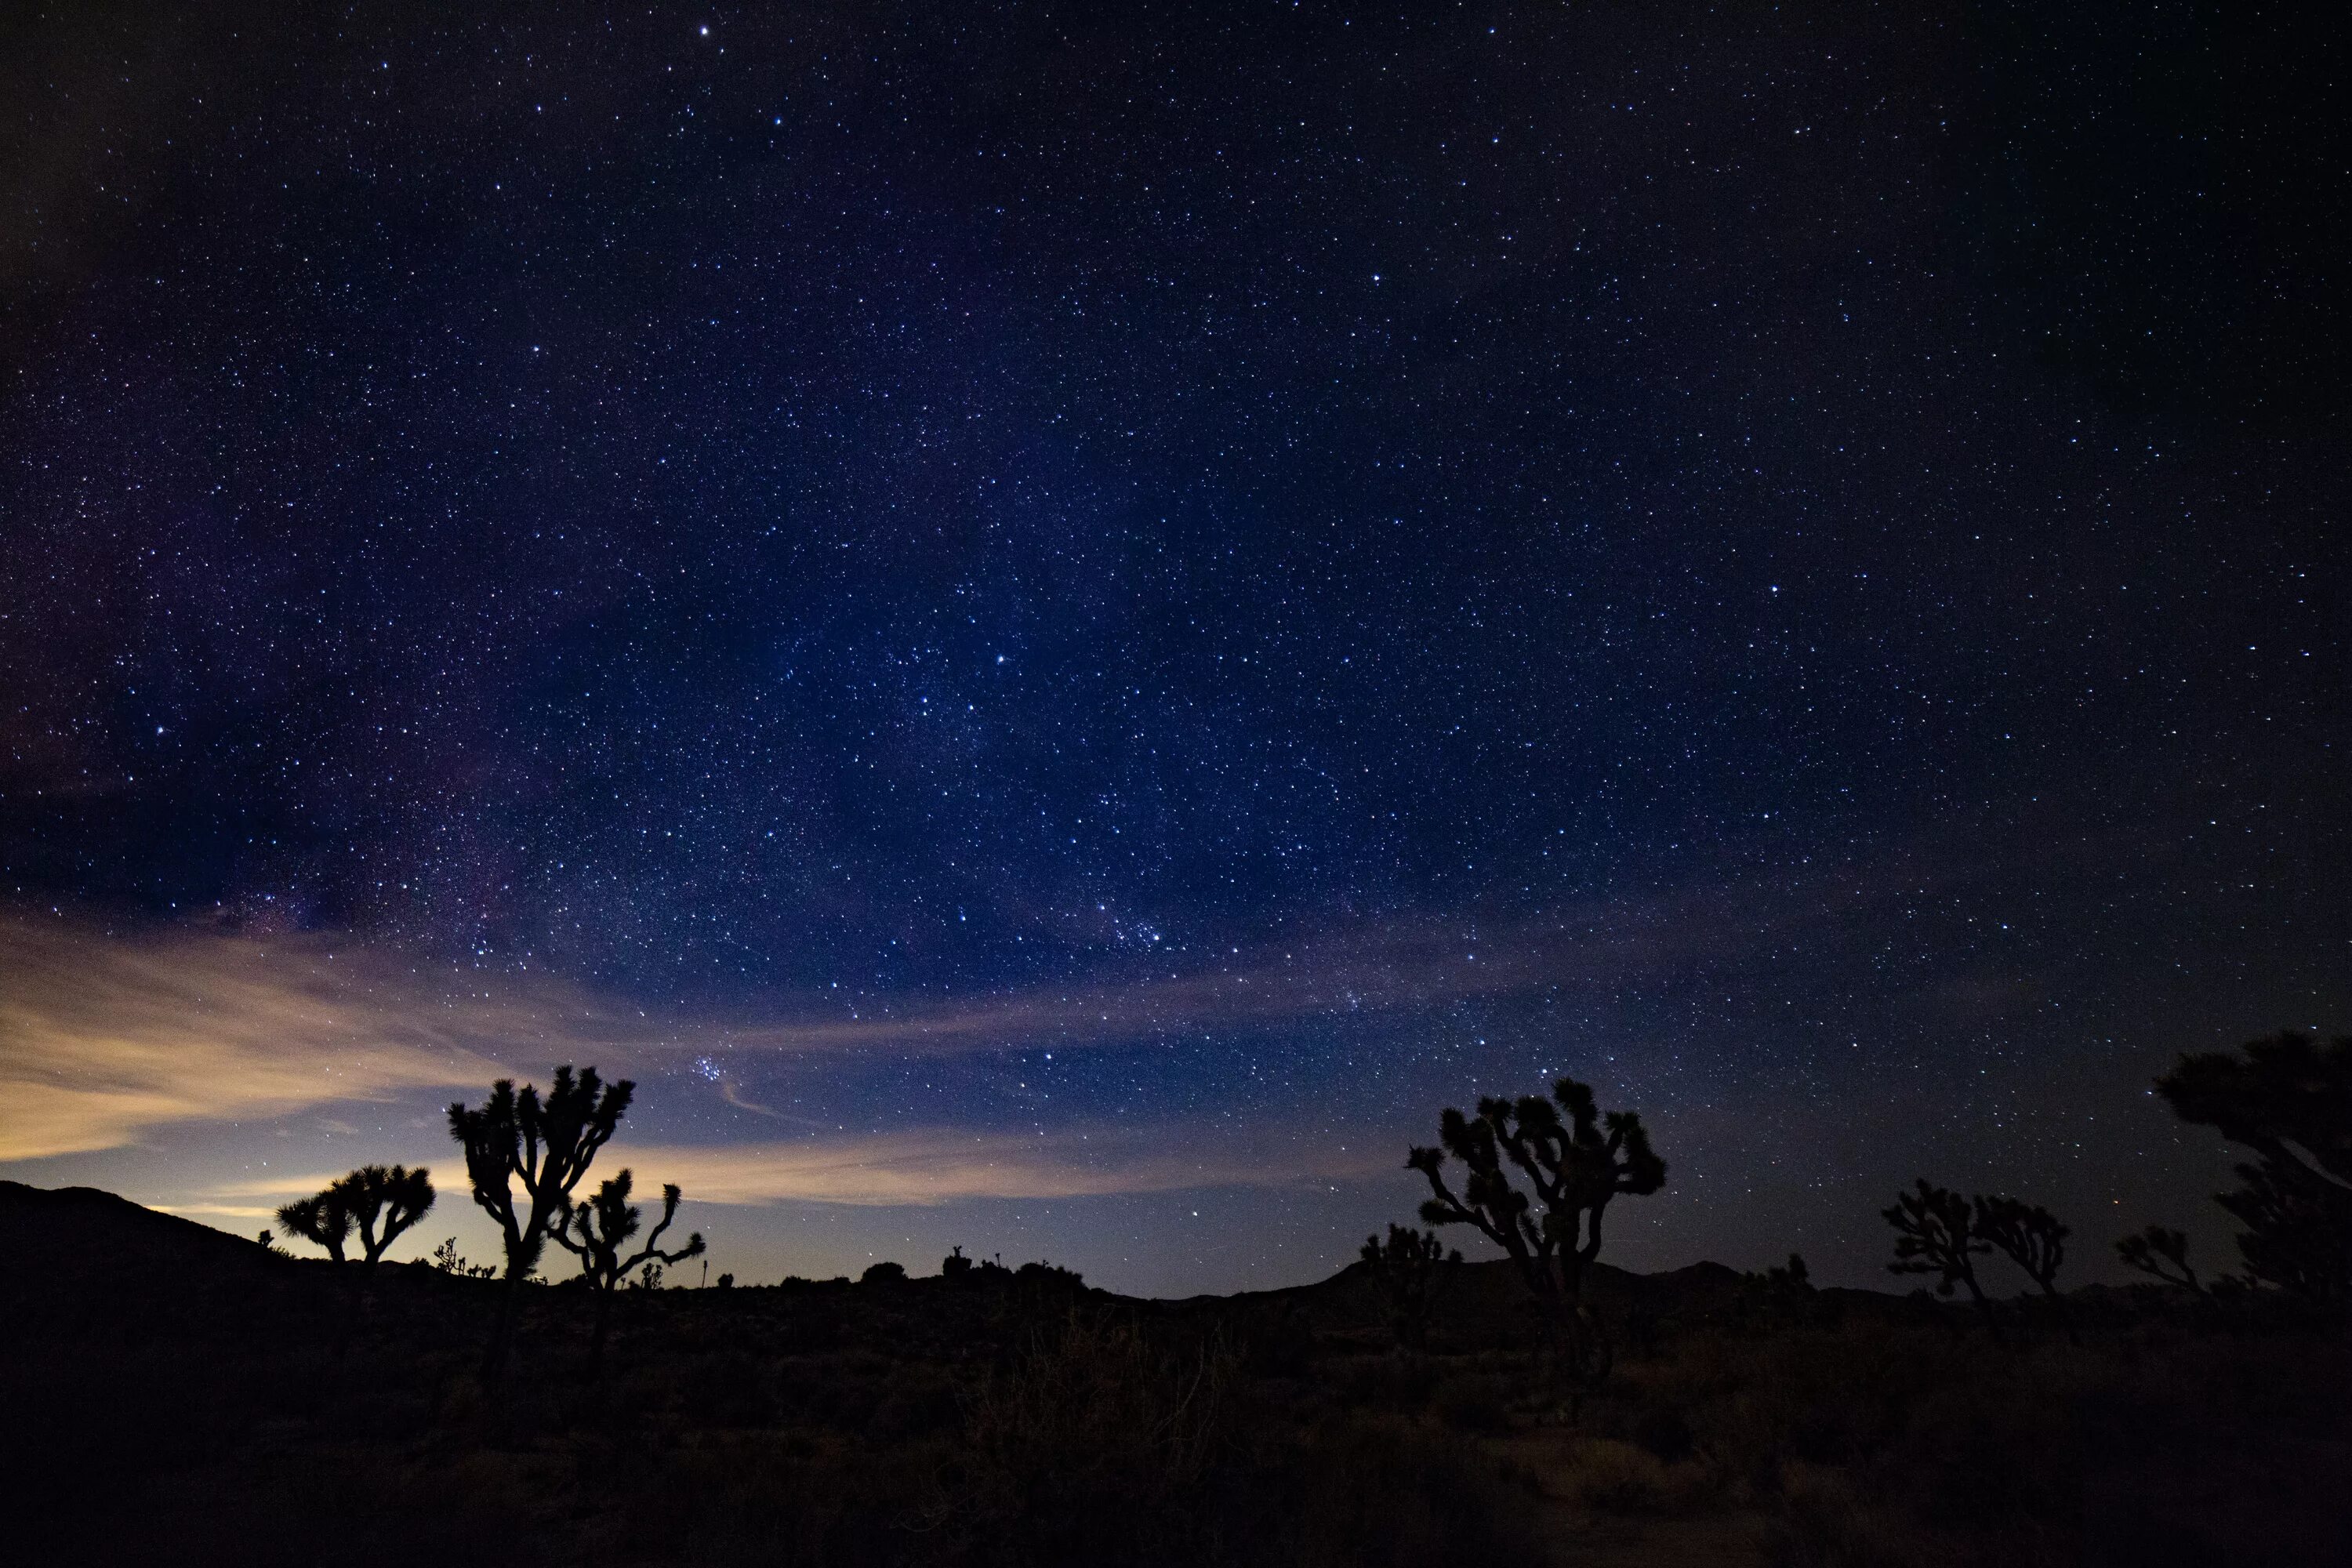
(1316, 562)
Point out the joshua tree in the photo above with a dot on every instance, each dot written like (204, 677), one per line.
(595, 1232)
(547, 1145)
(2163, 1254)
(323, 1219)
(2289, 1099)
(370, 1197)
(1408, 1270)
(397, 1198)
(2032, 1238)
(2298, 1232)
(1934, 1235)
(1573, 1169)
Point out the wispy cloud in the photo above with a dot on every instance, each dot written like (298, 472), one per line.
(103, 1037)
(942, 1167)
(925, 1167)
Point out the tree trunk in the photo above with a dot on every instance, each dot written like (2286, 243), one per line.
(603, 1323)
(2059, 1306)
(494, 1359)
(1984, 1305)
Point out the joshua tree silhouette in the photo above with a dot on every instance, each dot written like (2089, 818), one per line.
(376, 1201)
(2289, 1099)
(1935, 1235)
(545, 1144)
(1574, 1169)
(395, 1198)
(323, 1219)
(595, 1231)
(2032, 1237)
(2163, 1254)
(1408, 1271)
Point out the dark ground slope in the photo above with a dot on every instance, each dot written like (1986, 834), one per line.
(168, 1391)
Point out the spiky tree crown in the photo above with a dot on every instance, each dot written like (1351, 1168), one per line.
(2288, 1096)
(2161, 1253)
(546, 1144)
(2030, 1234)
(1935, 1234)
(1574, 1168)
(323, 1219)
(595, 1231)
(392, 1199)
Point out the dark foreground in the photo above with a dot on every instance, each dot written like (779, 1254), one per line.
(170, 1392)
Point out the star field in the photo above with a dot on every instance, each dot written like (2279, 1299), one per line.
(1219, 577)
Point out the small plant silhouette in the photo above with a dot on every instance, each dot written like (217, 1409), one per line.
(1935, 1234)
(448, 1260)
(884, 1273)
(955, 1265)
(1782, 1294)
(2030, 1236)
(2163, 1254)
(1573, 1169)
(547, 1145)
(595, 1232)
(1408, 1271)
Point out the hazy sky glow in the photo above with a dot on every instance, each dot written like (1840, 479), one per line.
(1054, 629)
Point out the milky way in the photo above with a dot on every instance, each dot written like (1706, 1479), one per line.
(1057, 624)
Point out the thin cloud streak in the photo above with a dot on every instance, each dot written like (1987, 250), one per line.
(105, 1037)
(925, 1168)
(929, 1168)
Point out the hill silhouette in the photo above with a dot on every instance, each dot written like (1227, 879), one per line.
(173, 1390)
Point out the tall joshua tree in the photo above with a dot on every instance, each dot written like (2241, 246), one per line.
(595, 1231)
(547, 1146)
(1408, 1270)
(2030, 1237)
(1572, 1170)
(1934, 1233)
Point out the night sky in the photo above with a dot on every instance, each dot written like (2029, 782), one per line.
(1056, 622)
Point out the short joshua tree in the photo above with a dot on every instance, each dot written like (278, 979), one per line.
(374, 1202)
(2030, 1236)
(2162, 1254)
(322, 1219)
(1572, 1169)
(1935, 1234)
(595, 1232)
(1408, 1272)
(384, 1202)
